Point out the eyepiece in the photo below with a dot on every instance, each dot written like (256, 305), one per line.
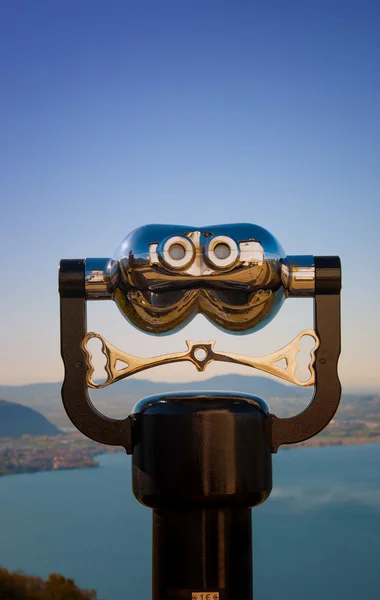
(221, 252)
(177, 252)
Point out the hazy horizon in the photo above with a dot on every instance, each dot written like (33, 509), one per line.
(351, 389)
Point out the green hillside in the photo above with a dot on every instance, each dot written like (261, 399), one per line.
(18, 586)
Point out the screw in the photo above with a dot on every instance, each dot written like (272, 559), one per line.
(322, 361)
(79, 364)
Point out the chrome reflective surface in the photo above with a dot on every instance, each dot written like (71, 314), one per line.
(97, 279)
(298, 276)
(163, 275)
(201, 354)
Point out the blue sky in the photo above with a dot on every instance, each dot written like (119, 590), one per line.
(116, 114)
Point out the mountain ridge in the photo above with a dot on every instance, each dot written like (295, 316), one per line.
(118, 400)
(17, 420)
(136, 384)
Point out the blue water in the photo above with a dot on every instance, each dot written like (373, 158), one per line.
(317, 536)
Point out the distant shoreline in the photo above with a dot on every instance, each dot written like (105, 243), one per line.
(37, 454)
(316, 442)
(94, 464)
(33, 470)
(323, 442)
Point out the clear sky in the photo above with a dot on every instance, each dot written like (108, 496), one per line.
(120, 113)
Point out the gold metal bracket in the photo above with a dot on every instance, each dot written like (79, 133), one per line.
(201, 354)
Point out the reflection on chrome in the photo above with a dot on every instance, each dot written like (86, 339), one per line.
(96, 279)
(236, 275)
(298, 276)
(201, 354)
(163, 275)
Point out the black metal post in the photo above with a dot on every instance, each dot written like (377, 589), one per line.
(201, 461)
(202, 553)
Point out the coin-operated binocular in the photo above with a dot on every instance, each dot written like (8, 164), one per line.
(201, 461)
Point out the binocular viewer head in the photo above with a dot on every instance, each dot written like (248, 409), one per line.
(237, 276)
(201, 460)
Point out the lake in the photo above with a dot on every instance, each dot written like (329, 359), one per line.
(317, 536)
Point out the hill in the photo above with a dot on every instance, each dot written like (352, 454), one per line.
(17, 420)
(19, 586)
(118, 400)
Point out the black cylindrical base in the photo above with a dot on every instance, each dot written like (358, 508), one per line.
(202, 554)
(210, 450)
(201, 460)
